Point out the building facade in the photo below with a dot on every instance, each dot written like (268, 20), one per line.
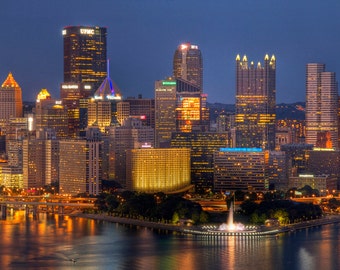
(255, 103)
(10, 100)
(158, 170)
(202, 146)
(51, 113)
(85, 57)
(80, 167)
(321, 106)
(241, 169)
(188, 64)
(102, 108)
(132, 134)
(165, 111)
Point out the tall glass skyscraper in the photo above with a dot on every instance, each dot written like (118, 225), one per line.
(85, 59)
(188, 64)
(321, 106)
(255, 103)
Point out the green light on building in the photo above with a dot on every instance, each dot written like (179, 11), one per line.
(168, 83)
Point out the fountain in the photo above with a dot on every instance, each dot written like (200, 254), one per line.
(230, 226)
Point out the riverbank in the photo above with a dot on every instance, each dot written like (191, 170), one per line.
(328, 219)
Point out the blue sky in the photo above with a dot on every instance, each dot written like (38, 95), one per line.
(143, 35)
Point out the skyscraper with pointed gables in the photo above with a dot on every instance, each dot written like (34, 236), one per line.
(255, 103)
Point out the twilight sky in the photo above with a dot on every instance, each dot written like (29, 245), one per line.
(143, 36)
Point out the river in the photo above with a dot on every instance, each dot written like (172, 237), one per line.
(61, 242)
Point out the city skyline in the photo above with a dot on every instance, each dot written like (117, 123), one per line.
(142, 41)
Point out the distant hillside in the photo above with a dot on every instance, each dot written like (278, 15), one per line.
(291, 111)
(283, 110)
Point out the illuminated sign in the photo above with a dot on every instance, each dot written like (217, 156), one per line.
(69, 86)
(86, 31)
(58, 102)
(143, 117)
(323, 149)
(87, 87)
(239, 149)
(168, 83)
(64, 32)
(306, 175)
(146, 145)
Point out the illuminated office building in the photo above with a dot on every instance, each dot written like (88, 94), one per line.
(85, 59)
(41, 159)
(142, 108)
(11, 177)
(321, 106)
(165, 111)
(297, 155)
(132, 134)
(16, 132)
(277, 171)
(241, 169)
(10, 100)
(102, 108)
(255, 103)
(325, 184)
(202, 146)
(192, 113)
(324, 161)
(153, 170)
(188, 64)
(80, 167)
(51, 113)
(72, 95)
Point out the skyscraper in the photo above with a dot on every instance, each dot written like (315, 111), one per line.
(255, 103)
(321, 106)
(10, 99)
(51, 113)
(102, 108)
(188, 64)
(165, 111)
(85, 54)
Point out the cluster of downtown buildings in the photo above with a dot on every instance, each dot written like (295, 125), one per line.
(167, 143)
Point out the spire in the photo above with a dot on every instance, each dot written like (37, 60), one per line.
(238, 58)
(108, 90)
(108, 69)
(10, 82)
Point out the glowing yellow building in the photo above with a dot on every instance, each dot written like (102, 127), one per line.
(10, 99)
(158, 170)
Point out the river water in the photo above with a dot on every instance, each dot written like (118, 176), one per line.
(56, 242)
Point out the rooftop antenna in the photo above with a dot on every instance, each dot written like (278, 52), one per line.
(108, 68)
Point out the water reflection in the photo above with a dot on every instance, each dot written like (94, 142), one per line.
(57, 242)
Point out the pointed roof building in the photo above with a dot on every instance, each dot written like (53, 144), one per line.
(10, 82)
(108, 90)
(10, 99)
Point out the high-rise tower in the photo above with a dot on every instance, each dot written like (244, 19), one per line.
(85, 55)
(255, 103)
(10, 99)
(321, 106)
(188, 64)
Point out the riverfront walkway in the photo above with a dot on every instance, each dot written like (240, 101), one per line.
(195, 230)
